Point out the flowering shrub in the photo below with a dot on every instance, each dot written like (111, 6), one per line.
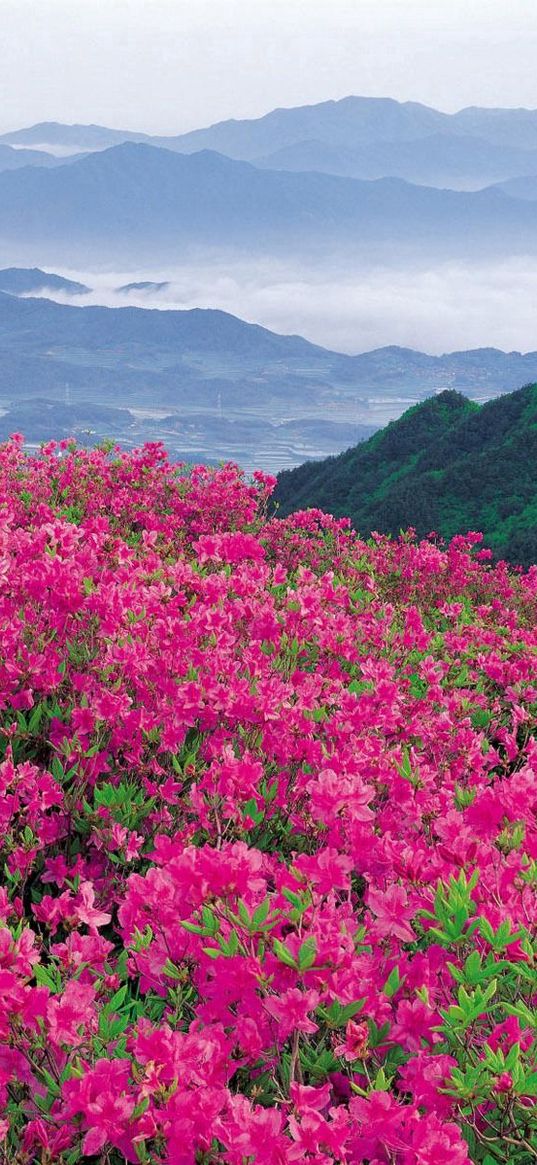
(268, 829)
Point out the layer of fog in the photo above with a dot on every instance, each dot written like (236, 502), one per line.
(49, 148)
(447, 308)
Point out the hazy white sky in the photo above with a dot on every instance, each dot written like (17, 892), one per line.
(172, 65)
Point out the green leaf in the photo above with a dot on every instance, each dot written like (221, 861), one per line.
(212, 952)
(192, 927)
(118, 998)
(250, 810)
(528, 1086)
(35, 718)
(295, 899)
(261, 914)
(393, 983)
(307, 953)
(350, 1009)
(381, 1082)
(43, 1102)
(284, 956)
(52, 1084)
(232, 945)
(171, 971)
(244, 914)
(44, 978)
(338, 1014)
(210, 922)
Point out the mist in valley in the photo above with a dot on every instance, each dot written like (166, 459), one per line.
(437, 309)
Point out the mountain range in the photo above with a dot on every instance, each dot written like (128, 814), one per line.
(15, 159)
(208, 344)
(357, 182)
(29, 280)
(136, 203)
(359, 137)
(447, 465)
(212, 385)
(359, 120)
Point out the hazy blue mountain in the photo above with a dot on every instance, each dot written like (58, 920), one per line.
(157, 357)
(40, 419)
(139, 202)
(441, 159)
(36, 324)
(524, 187)
(344, 122)
(73, 138)
(510, 127)
(347, 122)
(25, 280)
(475, 371)
(144, 285)
(217, 348)
(11, 159)
(211, 385)
(360, 137)
(357, 121)
(188, 435)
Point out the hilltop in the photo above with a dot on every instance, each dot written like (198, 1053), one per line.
(29, 280)
(446, 465)
(356, 136)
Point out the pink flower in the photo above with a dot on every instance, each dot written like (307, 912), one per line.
(70, 1012)
(85, 910)
(354, 1046)
(415, 1024)
(392, 913)
(442, 1143)
(306, 1098)
(102, 1097)
(291, 1009)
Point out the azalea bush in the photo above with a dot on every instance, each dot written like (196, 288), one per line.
(268, 827)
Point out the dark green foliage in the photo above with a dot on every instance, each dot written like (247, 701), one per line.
(446, 465)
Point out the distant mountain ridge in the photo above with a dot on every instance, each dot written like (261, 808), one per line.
(356, 136)
(138, 201)
(447, 465)
(213, 386)
(208, 384)
(42, 329)
(144, 285)
(524, 187)
(12, 159)
(25, 280)
(56, 134)
(41, 321)
(357, 120)
(441, 159)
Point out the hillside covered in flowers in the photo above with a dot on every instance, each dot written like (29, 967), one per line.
(268, 828)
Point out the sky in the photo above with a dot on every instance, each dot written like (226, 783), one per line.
(172, 65)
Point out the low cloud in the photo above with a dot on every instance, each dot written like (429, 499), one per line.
(448, 307)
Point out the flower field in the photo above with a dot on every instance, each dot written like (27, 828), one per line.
(269, 829)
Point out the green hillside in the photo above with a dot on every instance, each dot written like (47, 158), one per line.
(446, 465)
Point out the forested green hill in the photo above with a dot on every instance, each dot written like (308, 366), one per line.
(446, 465)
